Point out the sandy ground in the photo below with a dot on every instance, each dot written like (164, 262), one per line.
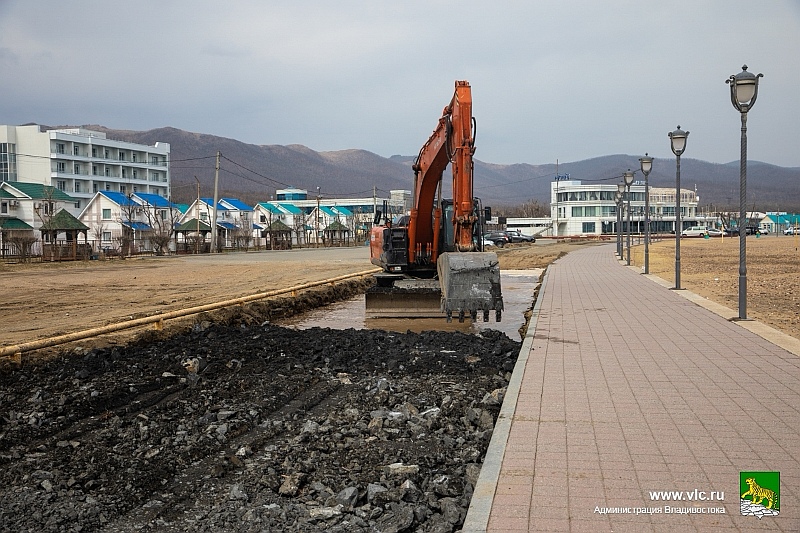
(43, 300)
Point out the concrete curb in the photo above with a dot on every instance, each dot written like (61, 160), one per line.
(480, 506)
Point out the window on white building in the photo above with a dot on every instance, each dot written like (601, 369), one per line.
(106, 235)
(60, 148)
(106, 214)
(76, 150)
(61, 185)
(588, 227)
(61, 167)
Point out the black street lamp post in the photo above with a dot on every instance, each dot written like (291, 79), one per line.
(744, 90)
(677, 140)
(618, 199)
(628, 177)
(646, 165)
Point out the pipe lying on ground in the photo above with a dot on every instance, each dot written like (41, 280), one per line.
(17, 350)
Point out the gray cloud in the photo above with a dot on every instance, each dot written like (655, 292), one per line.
(551, 79)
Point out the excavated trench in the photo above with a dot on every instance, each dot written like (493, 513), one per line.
(240, 424)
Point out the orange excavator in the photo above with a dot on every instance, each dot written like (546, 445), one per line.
(433, 259)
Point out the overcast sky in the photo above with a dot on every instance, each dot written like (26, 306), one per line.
(551, 80)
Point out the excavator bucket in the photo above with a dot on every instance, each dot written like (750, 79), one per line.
(406, 298)
(470, 283)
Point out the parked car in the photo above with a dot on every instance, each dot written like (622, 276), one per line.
(714, 232)
(695, 231)
(487, 243)
(499, 238)
(752, 230)
(764, 231)
(731, 231)
(517, 236)
(791, 231)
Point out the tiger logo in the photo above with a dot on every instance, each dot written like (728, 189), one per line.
(759, 493)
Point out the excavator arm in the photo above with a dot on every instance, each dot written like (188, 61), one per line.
(451, 142)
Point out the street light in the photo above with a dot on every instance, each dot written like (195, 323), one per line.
(628, 177)
(677, 141)
(744, 90)
(646, 165)
(618, 200)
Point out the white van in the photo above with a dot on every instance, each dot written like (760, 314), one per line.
(695, 231)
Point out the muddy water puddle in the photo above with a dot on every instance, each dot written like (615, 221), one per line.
(517, 286)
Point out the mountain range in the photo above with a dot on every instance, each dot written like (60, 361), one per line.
(253, 173)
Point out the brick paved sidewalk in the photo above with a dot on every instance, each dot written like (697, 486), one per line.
(629, 388)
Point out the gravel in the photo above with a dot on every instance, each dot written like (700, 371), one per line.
(252, 427)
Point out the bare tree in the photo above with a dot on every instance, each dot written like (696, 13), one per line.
(127, 219)
(529, 209)
(299, 223)
(162, 227)
(22, 246)
(242, 234)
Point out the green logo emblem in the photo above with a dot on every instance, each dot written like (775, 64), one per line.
(760, 493)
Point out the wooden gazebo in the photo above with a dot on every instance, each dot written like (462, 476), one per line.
(194, 233)
(336, 234)
(278, 235)
(67, 249)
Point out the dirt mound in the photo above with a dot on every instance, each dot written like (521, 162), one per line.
(251, 427)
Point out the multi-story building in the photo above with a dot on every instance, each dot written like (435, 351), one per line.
(82, 162)
(590, 209)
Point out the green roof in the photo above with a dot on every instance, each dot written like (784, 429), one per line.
(37, 191)
(5, 194)
(277, 225)
(63, 220)
(13, 223)
(337, 226)
(192, 225)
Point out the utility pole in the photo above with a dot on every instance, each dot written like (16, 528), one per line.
(316, 240)
(197, 219)
(214, 208)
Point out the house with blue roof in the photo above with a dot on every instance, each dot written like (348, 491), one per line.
(283, 219)
(779, 222)
(234, 225)
(130, 223)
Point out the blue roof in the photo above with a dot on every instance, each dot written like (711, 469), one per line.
(119, 198)
(237, 204)
(226, 225)
(328, 211)
(140, 226)
(154, 199)
(344, 211)
(271, 208)
(257, 226)
(291, 209)
(210, 202)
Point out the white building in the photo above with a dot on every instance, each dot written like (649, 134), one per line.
(590, 209)
(82, 163)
